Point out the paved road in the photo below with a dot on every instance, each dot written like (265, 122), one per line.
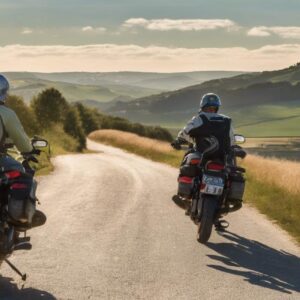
(113, 233)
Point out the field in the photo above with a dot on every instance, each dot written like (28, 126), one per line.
(273, 185)
(282, 148)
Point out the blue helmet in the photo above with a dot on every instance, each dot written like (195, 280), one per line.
(210, 99)
(4, 87)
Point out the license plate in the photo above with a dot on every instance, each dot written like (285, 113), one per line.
(212, 185)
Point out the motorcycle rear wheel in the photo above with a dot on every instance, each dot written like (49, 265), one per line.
(205, 226)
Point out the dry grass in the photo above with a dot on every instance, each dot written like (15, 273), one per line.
(127, 138)
(281, 173)
(152, 149)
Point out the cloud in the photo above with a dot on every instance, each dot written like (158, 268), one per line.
(26, 31)
(259, 31)
(286, 32)
(180, 24)
(112, 57)
(93, 29)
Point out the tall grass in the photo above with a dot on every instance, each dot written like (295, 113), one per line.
(152, 149)
(273, 185)
(278, 172)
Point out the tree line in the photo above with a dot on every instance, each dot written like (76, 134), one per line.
(50, 109)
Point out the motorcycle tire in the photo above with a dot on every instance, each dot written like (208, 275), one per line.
(205, 226)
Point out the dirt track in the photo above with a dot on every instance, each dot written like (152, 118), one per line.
(113, 233)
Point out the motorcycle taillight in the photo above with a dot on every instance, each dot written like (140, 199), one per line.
(185, 179)
(18, 186)
(195, 161)
(214, 166)
(13, 174)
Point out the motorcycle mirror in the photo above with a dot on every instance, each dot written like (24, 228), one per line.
(239, 139)
(39, 143)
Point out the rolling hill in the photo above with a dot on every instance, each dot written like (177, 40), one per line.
(101, 88)
(261, 104)
(28, 85)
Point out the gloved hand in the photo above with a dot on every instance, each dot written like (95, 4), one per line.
(29, 156)
(239, 151)
(176, 144)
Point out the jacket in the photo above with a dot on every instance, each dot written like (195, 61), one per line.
(12, 131)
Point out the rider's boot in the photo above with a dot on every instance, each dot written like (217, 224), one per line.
(38, 219)
(179, 201)
(221, 225)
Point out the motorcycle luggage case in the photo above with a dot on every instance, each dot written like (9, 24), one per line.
(191, 165)
(21, 204)
(185, 186)
(237, 187)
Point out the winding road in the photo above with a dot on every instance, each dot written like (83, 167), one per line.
(114, 233)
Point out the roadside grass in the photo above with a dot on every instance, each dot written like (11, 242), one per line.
(59, 143)
(275, 202)
(273, 185)
(149, 148)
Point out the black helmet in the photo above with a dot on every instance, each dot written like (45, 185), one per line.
(210, 99)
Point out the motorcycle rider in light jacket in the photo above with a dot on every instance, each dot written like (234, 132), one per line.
(12, 134)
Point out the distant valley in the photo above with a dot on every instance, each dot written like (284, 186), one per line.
(261, 104)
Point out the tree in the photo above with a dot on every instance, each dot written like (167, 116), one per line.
(73, 127)
(49, 107)
(88, 118)
(25, 114)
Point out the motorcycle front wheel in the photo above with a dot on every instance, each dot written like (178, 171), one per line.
(205, 226)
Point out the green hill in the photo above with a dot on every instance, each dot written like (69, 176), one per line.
(261, 104)
(104, 87)
(28, 85)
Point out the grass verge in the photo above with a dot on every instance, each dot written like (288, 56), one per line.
(272, 185)
(60, 143)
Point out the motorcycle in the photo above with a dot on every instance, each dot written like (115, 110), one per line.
(210, 189)
(18, 181)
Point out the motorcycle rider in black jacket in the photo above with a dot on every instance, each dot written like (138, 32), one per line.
(207, 124)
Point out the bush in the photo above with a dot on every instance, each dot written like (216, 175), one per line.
(88, 117)
(111, 122)
(73, 127)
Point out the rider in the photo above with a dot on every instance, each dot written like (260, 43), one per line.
(208, 122)
(207, 125)
(12, 133)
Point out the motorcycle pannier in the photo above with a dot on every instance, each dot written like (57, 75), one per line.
(21, 206)
(185, 186)
(237, 187)
(191, 165)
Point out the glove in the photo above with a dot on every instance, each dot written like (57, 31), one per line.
(29, 156)
(176, 144)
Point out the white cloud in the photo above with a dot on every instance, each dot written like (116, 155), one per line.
(27, 31)
(111, 57)
(286, 32)
(93, 29)
(259, 31)
(180, 24)
(87, 28)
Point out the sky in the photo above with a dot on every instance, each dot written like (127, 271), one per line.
(154, 35)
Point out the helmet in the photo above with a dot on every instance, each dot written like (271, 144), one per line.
(210, 99)
(4, 87)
